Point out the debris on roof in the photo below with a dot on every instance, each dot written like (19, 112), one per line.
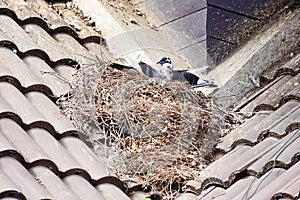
(157, 132)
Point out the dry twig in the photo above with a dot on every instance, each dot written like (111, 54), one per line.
(153, 131)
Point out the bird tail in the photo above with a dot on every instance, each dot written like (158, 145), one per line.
(204, 85)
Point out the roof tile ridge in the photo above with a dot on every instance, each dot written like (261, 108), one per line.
(61, 29)
(283, 195)
(268, 82)
(262, 136)
(279, 164)
(54, 168)
(36, 87)
(12, 193)
(40, 54)
(39, 124)
(282, 71)
(282, 101)
(242, 173)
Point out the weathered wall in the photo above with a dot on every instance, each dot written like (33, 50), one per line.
(273, 45)
(185, 23)
(207, 30)
(231, 22)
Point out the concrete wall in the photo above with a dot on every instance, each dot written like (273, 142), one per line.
(185, 24)
(207, 30)
(231, 22)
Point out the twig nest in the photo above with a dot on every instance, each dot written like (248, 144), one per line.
(157, 132)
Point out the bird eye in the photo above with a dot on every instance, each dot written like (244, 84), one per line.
(168, 60)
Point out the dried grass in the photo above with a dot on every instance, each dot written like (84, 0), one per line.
(151, 131)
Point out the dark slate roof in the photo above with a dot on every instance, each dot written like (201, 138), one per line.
(41, 155)
(260, 158)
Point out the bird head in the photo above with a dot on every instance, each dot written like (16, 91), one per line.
(165, 62)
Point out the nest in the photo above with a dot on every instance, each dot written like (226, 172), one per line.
(152, 131)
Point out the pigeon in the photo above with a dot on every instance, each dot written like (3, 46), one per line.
(166, 68)
(167, 71)
(148, 70)
(182, 75)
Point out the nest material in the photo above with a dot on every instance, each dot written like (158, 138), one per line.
(154, 131)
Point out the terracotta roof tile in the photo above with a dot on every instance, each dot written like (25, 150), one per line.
(21, 141)
(41, 155)
(65, 71)
(221, 172)
(21, 177)
(46, 42)
(50, 111)
(243, 188)
(283, 126)
(8, 186)
(112, 192)
(280, 183)
(260, 155)
(19, 7)
(72, 45)
(16, 34)
(253, 130)
(12, 65)
(275, 93)
(83, 155)
(254, 169)
(5, 144)
(230, 140)
(293, 94)
(54, 149)
(54, 185)
(290, 190)
(18, 104)
(82, 188)
(280, 154)
(47, 75)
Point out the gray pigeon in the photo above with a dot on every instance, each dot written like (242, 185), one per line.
(167, 71)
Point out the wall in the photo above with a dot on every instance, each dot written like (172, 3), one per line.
(185, 24)
(207, 30)
(231, 22)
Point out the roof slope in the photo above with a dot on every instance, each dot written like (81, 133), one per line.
(260, 159)
(41, 154)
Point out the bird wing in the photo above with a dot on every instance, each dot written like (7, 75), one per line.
(148, 70)
(191, 78)
(121, 67)
(122, 63)
(183, 75)
(209, 84)
(194, 80)
(177, 75)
